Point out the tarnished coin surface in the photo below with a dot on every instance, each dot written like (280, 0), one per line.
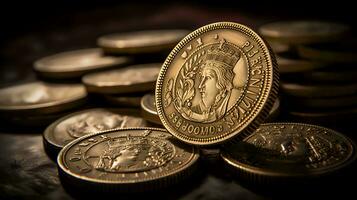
(140, 42)
(126, 160)
(219, 82)
(40, 97)
(78, 124)
(74, 64)
(303, 32)
(148, 109)
(136, 78)
(290, 150)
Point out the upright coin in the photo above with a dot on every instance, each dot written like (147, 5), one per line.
(75, 125)
(74, 64)
(148, 109)
(154, 41)
(290, 150)
(128, 160)
(303, 32)
(219, 82)
(41, 98)
(136, 78)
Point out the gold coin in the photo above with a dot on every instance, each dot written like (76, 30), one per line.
(41, 98)
(136, 78)
(126, 101)
(274, 112)
(343, 52)
(290, 150)
(74, 64)
(126, 160)
(78, 124)
(219, 82)
(289, 63)
(148, 109)
(303, 32)
(319, 90)
(141, 42)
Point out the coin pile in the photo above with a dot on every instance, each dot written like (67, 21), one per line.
(145, 125)
(317, 65)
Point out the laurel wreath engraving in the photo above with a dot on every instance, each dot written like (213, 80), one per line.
(185, 90)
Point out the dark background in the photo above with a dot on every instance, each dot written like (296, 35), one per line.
(32, 29)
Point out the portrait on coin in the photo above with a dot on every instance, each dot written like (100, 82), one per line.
(220, 74)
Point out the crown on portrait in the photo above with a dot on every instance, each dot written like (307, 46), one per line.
(224, 53)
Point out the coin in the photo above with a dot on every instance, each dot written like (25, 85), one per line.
(128, 101)
(148, 109)
(153, 41)
(41, 98)
(332, 74)
(78, 124)
(128, 160)
(290, 150)
(74, 64)
(274, 112)
(279, 47)
(331, 102)
(303, 32)
(136, 78)
(342, 52)
(218, 83)
(318, 90)
(290, 63)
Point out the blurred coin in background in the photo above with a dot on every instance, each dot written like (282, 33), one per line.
(35, 98)
(338, 52)
(303, 32)
(148, 109)
(74, 64)
(141, 42)
(132, 79)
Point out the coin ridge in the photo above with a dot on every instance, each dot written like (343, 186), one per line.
(270, 94)
(150, 183)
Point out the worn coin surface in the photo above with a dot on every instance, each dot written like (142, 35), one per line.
(41, 98)
(126, 160)
(148, 109)
(140, 42)
(303, 32)
(136, 78)
(219, 82)
(74, 64)
(78, 124)
(290, 150)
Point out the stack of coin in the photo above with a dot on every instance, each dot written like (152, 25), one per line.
(317, 69)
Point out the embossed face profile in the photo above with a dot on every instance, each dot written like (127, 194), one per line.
(95, 122)
(220, 73)
(134, 154)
